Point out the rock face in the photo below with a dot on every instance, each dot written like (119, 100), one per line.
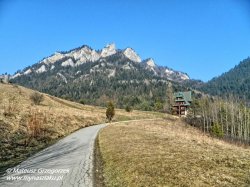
(27, 72)
(184, 76)
(84, 55)
(68, 62)
(165, 72)
(169, 72)
(80, 56)
(52, 59)
(131, 54)
(41, 69)
(108, 50)
(150, 65)
(150, 62)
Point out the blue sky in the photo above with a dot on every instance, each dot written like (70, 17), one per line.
(201, 38)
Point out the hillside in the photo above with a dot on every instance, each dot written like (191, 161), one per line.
(167, 153)
(96, 76)
(26, 128)
(235, 82)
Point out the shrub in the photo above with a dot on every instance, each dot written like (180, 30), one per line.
(35, 125)
(216, 130)
(128, 108)
(110, 111)
(158, 106)
(11, 107)
(36, 98)
(82, 101)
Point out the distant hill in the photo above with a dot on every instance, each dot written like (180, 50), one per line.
(234, 82)
(96, 76)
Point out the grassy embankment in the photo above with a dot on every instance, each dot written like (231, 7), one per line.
(26, 128)
(167, 153)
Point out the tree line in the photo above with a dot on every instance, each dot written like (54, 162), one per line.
(227, 118)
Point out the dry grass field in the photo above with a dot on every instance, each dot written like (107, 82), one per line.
(26, 128)
(168, 153)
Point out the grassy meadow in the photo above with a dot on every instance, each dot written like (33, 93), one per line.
(167, 152)
(26, 128)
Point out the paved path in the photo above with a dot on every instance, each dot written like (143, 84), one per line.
(67, 163)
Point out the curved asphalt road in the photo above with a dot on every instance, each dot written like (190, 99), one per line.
(67, 163)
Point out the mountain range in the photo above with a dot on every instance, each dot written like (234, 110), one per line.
(85, 54)
(96, 76)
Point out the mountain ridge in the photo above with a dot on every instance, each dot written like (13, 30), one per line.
(97, 76)
(85, 53)
(233, 82)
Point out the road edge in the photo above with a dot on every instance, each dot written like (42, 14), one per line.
(98, 163)
(98, 178)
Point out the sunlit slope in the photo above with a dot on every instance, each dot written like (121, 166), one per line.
(169, 153)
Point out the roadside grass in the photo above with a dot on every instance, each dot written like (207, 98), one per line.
(27, 128)
(168, 153)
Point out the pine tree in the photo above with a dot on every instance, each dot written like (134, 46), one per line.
(110, 111)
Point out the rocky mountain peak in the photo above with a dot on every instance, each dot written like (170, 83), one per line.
(84, 54)
(110, 49)
(150, 62)
(53, 58)
(132, 55)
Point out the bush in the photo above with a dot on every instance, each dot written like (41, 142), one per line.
(82, 101)
(36, 98)
(158, 106)
(110, 111)
(216, 130)
(128, 108)
(11, 108)
(145, 105)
